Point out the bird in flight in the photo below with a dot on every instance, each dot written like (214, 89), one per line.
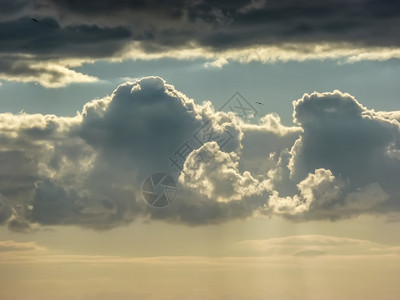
(34, 20)
(259, 103)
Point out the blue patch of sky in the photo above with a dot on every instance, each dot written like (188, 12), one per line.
(374, 84)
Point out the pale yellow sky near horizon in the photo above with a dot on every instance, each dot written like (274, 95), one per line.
(253, 259)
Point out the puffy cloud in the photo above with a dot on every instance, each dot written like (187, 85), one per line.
(316, 191)
(146, 120)
(263, 142)
(218, 31)
(215, 174)
(344, 160)
(88, 170)
(343, 136)
(322, 196)
(124, 138)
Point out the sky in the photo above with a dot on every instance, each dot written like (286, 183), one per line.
(199, 149)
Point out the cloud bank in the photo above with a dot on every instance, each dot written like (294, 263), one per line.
(339, 161)
(69, 33)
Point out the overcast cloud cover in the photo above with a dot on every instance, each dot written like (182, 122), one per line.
(339, 161)
(70, 33)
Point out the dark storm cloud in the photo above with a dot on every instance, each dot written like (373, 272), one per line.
(245, 23)
(93, 7)
(49, 40)
(11, 7)
(90, 30)
(342, 160)
(31, 51)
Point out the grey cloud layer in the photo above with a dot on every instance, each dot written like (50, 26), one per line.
(88, 30)
(340, 161)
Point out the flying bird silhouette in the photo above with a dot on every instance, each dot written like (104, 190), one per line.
(34, 20)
